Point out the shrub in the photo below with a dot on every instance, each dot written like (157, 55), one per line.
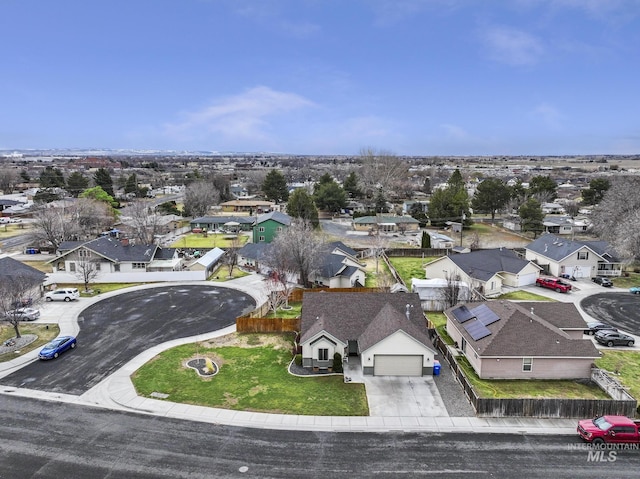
(337, 363)
(298, 359)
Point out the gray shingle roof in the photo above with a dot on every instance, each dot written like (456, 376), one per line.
(255, 251)
(556, 248)
(518, 333)
(348, 315)
(115, 250)
(11, 268)
(484, 264)
(388, 321)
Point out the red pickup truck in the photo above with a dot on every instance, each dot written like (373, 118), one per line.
(554, 283)
(609, 429)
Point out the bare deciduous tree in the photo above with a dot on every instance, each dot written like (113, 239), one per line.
(455, 291)
(199, 197)
(381, 170)
(617, 218)
(52, 226)
(86, 270)
(302, 246)
(94, 216)
(145, 221)
(230, 259)
(12, 294)
(9, 178)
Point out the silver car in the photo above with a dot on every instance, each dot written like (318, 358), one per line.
(24, 314)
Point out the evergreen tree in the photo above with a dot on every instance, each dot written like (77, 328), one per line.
(131, 185)
(330, 196)
(275, 188)
(426, 240)
(543, 187)
(595, 193)
(491, 196)
(51, 177)
(381, 202)
(76, 183)
(102, 178)
(301, 206)
(531, 216)
(351, 186)
(450, 203)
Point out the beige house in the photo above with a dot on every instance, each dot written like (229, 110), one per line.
(247, 206)
(387, 224)
(386, 332)
(525, 340)
(580, 259)
(485, 271)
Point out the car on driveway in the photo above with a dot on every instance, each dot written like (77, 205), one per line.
(23, 314)
(606, 282)
(634, 290)
(614, 338)
(65, 294)
(56, 347)
(594, 326)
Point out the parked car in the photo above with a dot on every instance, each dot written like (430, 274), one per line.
(614, 338)
(594, 326)
(609, 429)
(65, 294)
(634, 290)
(56, 347)
(22, 303)
(24, 314)
(606, 282)
(554, 283)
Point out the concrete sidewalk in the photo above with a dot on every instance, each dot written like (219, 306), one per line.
(117, 392)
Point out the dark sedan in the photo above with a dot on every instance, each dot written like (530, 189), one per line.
(614, 338)
(56, 347)
(606, 282)
(594, 326)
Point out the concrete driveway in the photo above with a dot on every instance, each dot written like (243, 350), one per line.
(391, 396)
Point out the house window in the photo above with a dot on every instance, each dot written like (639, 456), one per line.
(138, 265)
(279, 229)
(583, 255)
(261, 238)
(83, 253)
(527, 364)
(97, 266)
(72, 267)
(116, 268)
(323, 354)
(261, 229)
(464, 345)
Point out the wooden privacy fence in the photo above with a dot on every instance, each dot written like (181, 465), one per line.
(246, 324)
(530, 407)
(296, 294)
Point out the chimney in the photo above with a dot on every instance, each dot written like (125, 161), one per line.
(124, 241)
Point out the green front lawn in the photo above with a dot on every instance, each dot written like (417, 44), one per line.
(625, 366)
(529, 388)
(627, 281)
(250, 379)
(45, 333)
(199, 240)
(524, 296)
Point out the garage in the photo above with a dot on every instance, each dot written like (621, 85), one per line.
(527, 279)
(397, 365)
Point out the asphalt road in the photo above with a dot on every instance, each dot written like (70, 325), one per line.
(116, 329)
(621, 310)
(49, 439)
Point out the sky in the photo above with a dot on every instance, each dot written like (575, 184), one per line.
(326, 77)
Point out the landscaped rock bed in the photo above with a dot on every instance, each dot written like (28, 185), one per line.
(14, 344)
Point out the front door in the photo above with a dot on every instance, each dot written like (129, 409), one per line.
(353, 347)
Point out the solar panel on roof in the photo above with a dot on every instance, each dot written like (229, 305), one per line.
(485, 315)
(476, 330)
(462, 314)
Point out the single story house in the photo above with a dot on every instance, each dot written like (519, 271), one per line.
(387, 224)
(111, 255)
(433, 292)
(580, 259)
(440, 241)
(338, 267)
(561, 225)
(485, 271)
(250, 206)
(268, 225)
(508, 340)
(254, 256)
(386, 331)
(219, 223)
(552, 208)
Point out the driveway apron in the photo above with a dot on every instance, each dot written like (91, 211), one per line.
(397, 396)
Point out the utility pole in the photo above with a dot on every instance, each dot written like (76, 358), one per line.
(462, 226)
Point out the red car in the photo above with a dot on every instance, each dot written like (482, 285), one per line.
(609, 429)
(554, 283)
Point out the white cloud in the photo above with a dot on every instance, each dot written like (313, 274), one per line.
(550, 115)
(511, 46)
(246, 115)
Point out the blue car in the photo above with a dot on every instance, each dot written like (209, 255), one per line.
(59, 345)
(635, 289)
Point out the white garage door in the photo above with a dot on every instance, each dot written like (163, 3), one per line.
(526, 279)
(397, 365)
